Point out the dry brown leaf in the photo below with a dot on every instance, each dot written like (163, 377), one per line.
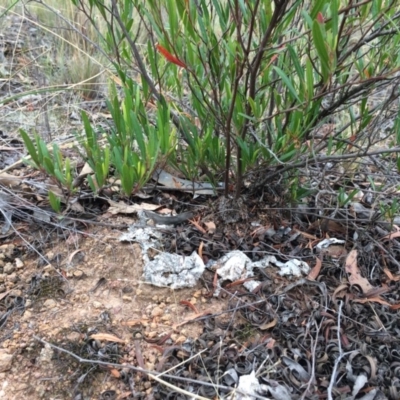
(313, 274)
(123, 208)
(190, 319)
(115, 373)
(392, 235)
(200, 250)
(9, 180)
(374, 300)
(355, 277)
(390, 275)
(269, 325)
(107, 337)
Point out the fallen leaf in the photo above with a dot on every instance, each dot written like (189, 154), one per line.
(355, 277)
(374, 300)
(392, 235)
(107, 337)
(313, 274)
(123, 208)
(390, 275)
(115, 373)
(269, 325)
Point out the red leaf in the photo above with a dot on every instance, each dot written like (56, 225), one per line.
(320, 18)
(170, 57)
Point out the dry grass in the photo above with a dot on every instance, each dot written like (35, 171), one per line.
(53, 57)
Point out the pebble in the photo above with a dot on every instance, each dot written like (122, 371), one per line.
(8, 268)
(19, 263)
(78, 274)
(2, 277)
(27, 316)
(166, 317)
(50, 303)
(197, 294)
(13, 278)
(127, 299)
(97, 305)
(108, 249)
(157, 311)
(139, 292)
(15, 292)
(149, 366)
(181, 339)
(5, 360)
(152, 334)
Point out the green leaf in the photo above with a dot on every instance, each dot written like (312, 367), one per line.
(30, 147)
(321, 50)
(55, 202)
(288, 83)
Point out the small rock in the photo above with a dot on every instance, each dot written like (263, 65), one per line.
(108, 249)
(21, 387)
(168, 300)
(197, 294)
(127, 299)
(46, 354)
(8, 268)
(97, 305)
(147, 385)
(138, 291)
(180, 339)
(157, 311)
(155, 298)
(5, 360)
(74, 336)
(12, 278)
(27, 316)
(193, 300)
(152, 334)
(149, 366)
(50, 303)
(2, 278)
(166, 317)
(19, 263)
(78, 274)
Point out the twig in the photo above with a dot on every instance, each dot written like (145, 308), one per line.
(314, 350)
(320, 159)
(341, 355)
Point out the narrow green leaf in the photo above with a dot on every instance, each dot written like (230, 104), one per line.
(55, 201)
(30, 147)
(321, 50)
(287, 83)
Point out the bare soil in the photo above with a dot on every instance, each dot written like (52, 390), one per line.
(96, 288)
